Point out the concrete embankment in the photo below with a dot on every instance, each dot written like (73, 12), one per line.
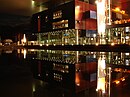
(118, 48)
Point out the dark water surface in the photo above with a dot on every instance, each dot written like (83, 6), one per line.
(57, 73)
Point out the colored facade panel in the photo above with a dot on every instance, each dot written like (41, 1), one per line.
(83, 14)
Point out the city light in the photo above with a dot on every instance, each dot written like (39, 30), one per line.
(96, 44)
(112, 44)
(40, 44)
(77, 12)
(33, 3)
(24, 40)
(117, 9)
(117, 82)
(101, 16)
(101, 75)
(47, 44)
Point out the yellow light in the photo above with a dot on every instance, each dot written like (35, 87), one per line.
(40, 44)
(96, 2)
(96, 44)
(117, 82)
(24, 38)
(33, 3)
(47, 44)
(77, 12)
(24, 52)
(123, 79)
(117, 9)
(123, 12)
(112, 44)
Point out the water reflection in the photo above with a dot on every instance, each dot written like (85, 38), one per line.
(58, 73)
(92, 74)
(15, 76)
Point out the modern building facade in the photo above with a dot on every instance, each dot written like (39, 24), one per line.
(77, 22)
(71, 23)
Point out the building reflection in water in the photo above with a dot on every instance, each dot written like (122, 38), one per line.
(103, 77)
(94, 74)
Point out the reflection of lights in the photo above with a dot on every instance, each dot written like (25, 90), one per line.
(123, 12)
(25, 53)
(39, 74)
(101, 84)
(34, 88)
(101, 75)
(123, 79)
(77, 79)
(117, 82)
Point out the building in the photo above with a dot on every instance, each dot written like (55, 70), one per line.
(70, 23)
(55, 27)
(119, 30)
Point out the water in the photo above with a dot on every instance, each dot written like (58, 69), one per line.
(58, 73)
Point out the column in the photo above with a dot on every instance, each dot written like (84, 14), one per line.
(77, 37)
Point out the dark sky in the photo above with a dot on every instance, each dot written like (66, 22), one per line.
(24, 6)
(15, 6)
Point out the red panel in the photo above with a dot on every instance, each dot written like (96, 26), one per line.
(81, 23)
(91, 24)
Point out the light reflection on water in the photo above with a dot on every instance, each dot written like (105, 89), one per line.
(69, 73)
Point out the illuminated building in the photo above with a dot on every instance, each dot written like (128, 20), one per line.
(82, 27)
(118, 31)
(57, 25)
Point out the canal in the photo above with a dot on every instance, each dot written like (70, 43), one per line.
(62, 73)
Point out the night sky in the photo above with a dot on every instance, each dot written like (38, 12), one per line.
(15, 6)
(14, 13)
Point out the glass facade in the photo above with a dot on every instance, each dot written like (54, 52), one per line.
(78, 26)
